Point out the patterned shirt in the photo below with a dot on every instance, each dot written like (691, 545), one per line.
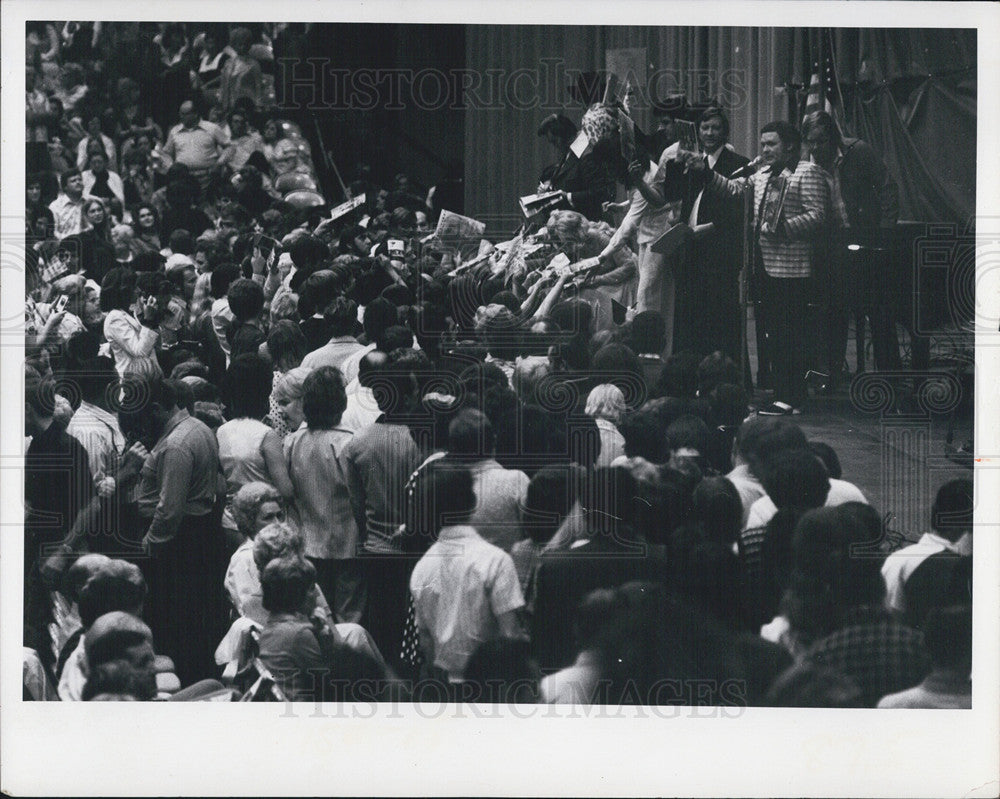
(68, 215)
(881, 655)
(786, 252)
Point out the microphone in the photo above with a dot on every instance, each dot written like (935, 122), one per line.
(749, 169)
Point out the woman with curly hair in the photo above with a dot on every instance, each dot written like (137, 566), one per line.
(613, 279)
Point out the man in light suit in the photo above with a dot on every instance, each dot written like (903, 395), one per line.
(791, 198)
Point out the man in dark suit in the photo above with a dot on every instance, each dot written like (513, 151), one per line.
(864, 209)
(708, 314)
(588, 179)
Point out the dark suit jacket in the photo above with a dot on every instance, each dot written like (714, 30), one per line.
(869, 193)
(678, 185)
(719, 252)
(712, 208)
(590, 180)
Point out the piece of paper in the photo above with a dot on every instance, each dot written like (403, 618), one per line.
(453, 229)
(580, 144)
(532, 204)
(345, 208)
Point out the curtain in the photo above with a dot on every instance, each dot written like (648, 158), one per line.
(911, 94)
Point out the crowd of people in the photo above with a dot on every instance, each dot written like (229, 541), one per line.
(280, 450)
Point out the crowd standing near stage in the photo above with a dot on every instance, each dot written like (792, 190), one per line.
(282, 448)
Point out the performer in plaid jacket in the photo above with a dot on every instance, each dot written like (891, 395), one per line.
(791, 201)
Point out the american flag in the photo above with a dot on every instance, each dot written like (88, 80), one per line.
(824, 90)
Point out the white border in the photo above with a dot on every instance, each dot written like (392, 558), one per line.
(90, 749)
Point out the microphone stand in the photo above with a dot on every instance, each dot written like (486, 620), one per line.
(746, 264)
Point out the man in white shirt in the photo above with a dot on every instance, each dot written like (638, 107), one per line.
(951, 522)
(362, 409)
(67, 208)
(465, 590)
(840, 493)
(757, 438)
(196, 143)
(94, 426)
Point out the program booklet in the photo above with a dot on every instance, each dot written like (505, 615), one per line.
(687, 135)
(668, 243)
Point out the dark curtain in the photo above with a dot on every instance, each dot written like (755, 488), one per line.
(912, 95)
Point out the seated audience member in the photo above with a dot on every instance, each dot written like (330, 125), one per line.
(948, 637)
(121, 638)
(663, 652)
(796, 482)
(262, 517)
(757, 438)
(840, 492)
(715, 505)
(835, 606)
(609, 553)
(704, 573)
(606, 405)
(500, 493)
(687, 443)
(501, 672)
(529, 374)
(67, 599)
(923, 574)
(116, 586)
(592, 623)
(296, 648)
(465, 590)
(715, 370)
(117, 681)
(763, 662)
(254, 506)
(808, 685)
(678, 377)
(728, 409)
(645, 436)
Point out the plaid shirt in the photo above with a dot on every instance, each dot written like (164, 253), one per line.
(881, 655)
(787, 253)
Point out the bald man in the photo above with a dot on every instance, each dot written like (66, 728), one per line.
(196, 143)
